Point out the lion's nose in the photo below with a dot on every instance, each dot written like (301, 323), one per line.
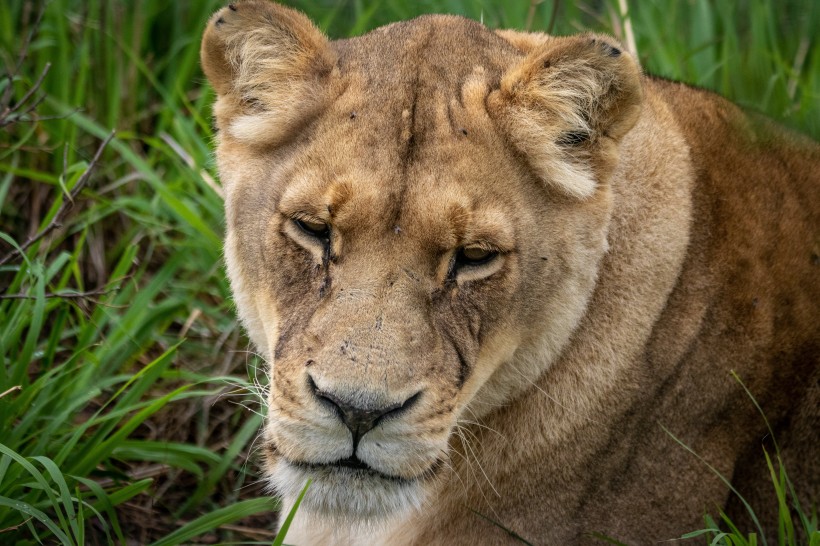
(359, 420)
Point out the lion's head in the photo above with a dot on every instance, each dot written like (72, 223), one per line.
(415, 222)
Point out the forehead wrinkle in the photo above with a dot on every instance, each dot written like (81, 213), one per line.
(454, 215)
(359, 201)
(490, 224)
(303, 193)
(459, 217)
(337, 195)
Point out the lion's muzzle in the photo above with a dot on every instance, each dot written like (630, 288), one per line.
(360, 419)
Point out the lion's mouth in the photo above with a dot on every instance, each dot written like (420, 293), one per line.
(355, 467)
(354, 463)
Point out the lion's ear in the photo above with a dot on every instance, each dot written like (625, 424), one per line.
(270, 67)
(566, 106)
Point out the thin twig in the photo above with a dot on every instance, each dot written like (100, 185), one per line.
(15, 527)
(62, 295)
(65, 207)
(9, 391)
(45, 118)
(252, 532)
(7, 92)
(90, 295)
(33, 88)
(10, 114)
(148, 471)
(22, 116)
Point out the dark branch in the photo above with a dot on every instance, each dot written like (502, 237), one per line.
(20, 60)
(90, 295)
(65, 207)
(12, 114)
(62, 295)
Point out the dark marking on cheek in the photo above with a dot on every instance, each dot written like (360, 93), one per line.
(463, 366)
(324, 286)
(348, 349)
(280, 345)
(327, 259)
(327, 255)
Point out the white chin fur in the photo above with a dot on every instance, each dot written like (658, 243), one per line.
(347, 495)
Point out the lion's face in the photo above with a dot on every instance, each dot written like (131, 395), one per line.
(399, 254)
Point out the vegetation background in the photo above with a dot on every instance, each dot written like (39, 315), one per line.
(129, 396)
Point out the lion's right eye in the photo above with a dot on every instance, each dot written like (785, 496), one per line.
(319, 230)
(474, 256)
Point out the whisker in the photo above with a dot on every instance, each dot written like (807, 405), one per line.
(553, 399)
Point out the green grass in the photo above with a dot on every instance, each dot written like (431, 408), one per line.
(795, 522)
(124, 373)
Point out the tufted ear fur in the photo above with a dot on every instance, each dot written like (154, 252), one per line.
(523, 41)
(566, 106)
(270, 67)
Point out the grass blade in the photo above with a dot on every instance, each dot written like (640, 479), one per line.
(218, 517)
(283, 529)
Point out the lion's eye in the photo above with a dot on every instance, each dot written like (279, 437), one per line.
(319, 230)
(474, 255)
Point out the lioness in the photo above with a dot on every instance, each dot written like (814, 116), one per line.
(494, 273)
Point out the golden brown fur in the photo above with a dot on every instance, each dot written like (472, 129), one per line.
(533, 260)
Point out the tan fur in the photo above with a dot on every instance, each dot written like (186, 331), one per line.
(648, 240)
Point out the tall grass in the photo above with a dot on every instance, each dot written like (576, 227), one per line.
(120, 352)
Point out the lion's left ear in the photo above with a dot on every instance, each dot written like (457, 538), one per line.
(566, 106)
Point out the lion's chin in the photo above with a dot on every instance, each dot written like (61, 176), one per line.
(352, 495)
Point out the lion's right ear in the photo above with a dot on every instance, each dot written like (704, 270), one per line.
(270, 67)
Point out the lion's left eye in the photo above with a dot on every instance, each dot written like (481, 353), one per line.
(474, 255)
(319, 230)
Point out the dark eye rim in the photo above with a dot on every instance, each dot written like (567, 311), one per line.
(322, 235)
(460, 260)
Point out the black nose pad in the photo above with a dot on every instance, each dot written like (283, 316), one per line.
(359, 420)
